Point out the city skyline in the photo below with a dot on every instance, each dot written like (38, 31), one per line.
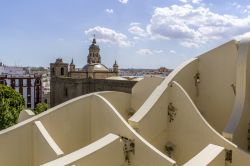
(138, 34)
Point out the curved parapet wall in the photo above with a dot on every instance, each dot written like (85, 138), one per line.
(188, 133)
(62, 123)
(142, 90)
(208, 83)
(175, 121)
(109, 120)
(197, 132)
(159, 90)
(217, 70)
(120, 100)
(70, 126)
(238, 124)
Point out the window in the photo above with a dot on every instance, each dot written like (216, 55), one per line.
(53, 71)
(62, 71)
(12, 83)
(16, 82)
(28, 105)
(38, 82)
(29, 82)
(3, 82)
(21, 90)
(24, 82)
(20, 82)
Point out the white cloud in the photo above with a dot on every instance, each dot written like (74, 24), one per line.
(236, 5)
(136, 30)
(107, 35)
(136, 38)
(147, 51)
(196, 1)
(189, 44)
(158, 51)
(144, 51)
(184, 1)
(192, 1)
(247, 9)
(135, 24)
(110, 11)
(123, 1)
(172, 51)
(194, 26)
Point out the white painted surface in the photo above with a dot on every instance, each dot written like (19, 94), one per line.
(45, 148)
(142, 90)
(105, 151)
(212, 155)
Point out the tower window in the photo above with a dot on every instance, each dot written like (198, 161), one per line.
(37, 82)
(62, 71)
(53, 71)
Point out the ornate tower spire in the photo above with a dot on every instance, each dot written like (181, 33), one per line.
(72, 66)
(72, 62)
(94, 41)
(116, 67)
(94, 53)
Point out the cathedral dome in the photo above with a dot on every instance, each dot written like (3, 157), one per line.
(97, 67)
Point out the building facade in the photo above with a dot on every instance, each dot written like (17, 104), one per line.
(28, 86)
(68, 82)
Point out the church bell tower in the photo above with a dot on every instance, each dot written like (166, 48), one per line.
(94, 53)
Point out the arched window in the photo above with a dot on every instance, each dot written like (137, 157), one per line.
(62, 71)
(38, 82)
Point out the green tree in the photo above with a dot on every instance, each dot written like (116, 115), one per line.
(11, 104)
(40, 107)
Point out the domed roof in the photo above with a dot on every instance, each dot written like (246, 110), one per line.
(94, 45)
(97, 67)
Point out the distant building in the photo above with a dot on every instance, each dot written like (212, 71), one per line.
(13, 70)
(45, 74)
(68, 82)
(163, 69)
(20, 79)
(28, 86)
(93, 69)
(162, 72)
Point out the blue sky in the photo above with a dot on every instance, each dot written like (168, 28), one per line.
(137, 33)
